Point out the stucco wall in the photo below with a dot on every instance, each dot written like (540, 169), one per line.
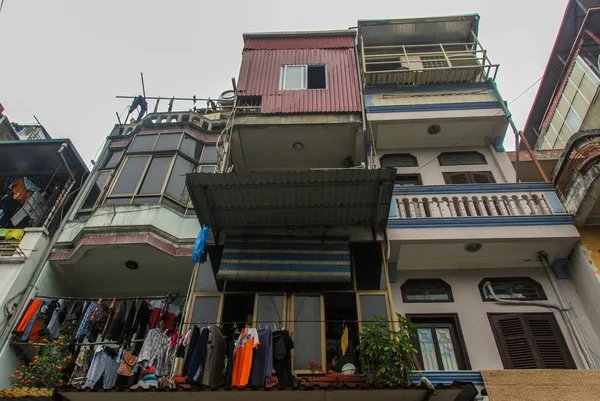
(431, 171)
(408, 97)
(472, 310)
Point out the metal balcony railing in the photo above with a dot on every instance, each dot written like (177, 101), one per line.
(424, 64)
(11, 248)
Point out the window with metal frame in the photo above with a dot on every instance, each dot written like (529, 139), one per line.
(106, 171)
(513, 288)
(434, 61)
(303, 76)
(461, 158)
(398, 160)
(530, 341)
(426, 290)
(154, 170)
(408, 179)
(440, 343)
(468, 177)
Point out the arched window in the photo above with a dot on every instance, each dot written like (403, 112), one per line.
(426, 290)
(513, 288)
(398, 160)
(461, 158)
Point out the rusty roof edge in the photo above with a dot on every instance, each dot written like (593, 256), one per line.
(296, 34)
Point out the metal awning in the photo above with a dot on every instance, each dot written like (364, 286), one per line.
(408, 31)
(39, 157)
(330, 198)
(285, 259)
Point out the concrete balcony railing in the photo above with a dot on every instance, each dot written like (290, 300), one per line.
(481, 203)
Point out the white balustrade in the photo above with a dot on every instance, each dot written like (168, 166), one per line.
(469, 205)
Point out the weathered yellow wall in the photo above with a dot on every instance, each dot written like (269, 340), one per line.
(590, 237)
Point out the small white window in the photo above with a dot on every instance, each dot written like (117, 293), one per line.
(303, 77)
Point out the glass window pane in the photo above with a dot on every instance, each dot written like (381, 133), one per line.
(461, 158)
(155, 177)
(130, 175)
(563, 106)
(307, 331)
(167, 142)
(551, 134)
(176, 188)
(580, 105)
(569, 91)
(424, 291)
(427, 349)
(371, 306)
(565, 133)
(141, 200)
(294, 77)
(446, 347)
(398, 160)
(482, 178)
(113, 158)
(191, 147)
(576, 74)
(206, 311)
(209, 156)
(96, 190)
(589, 87)
(117, 201)
(573, 120)
(270, 311)
(143, 143)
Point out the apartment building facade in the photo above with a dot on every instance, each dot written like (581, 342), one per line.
(359, 173)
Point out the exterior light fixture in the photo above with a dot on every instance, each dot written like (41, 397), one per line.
(473, 247)
(298, 146)
(131, 265)
(434, 129)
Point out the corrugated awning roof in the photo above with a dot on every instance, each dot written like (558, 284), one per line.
(333, 198)
(39, 157)
(419, 30)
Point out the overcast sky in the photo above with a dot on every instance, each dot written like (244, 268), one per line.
(65, 60)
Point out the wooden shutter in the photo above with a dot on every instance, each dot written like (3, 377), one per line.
(549, 342)
(530, 341)
(513, 342)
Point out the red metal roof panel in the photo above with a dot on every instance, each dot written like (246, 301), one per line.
(261, 69)
(324, 42)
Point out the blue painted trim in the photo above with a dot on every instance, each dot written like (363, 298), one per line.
(475, 188)
(481, 221)
(285, 277)
(433, 107)
(554, 202)
(291, 257)
(560, 267)
(393, 209)
(449, 376)
(369, 101)
(427, 88)
(499, 144)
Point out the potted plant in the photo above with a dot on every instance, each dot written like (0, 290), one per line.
(388, 354)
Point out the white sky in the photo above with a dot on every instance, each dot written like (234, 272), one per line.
(65, 60)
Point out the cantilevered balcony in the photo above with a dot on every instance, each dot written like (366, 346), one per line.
(478, 225)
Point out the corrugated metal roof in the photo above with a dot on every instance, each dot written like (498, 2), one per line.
(39, 157)
(302, 42)
(418, 30)
(346, 197)
(261, 69)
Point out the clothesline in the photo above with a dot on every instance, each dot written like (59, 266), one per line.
(292, 321)
(81, 344)
(111, 298)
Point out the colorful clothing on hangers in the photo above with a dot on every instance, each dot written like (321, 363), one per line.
(165, 312)
(102, 365)
(154, 352)
(345, 341)
(85, 327)
(31, 311)
(247, 342)
(82, 365)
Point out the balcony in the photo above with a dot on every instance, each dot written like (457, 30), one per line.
(426, 64)
(502, 225)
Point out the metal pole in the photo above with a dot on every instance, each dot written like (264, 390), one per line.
(532, 155)
(143, 86)
(516, 156)
(118, 118)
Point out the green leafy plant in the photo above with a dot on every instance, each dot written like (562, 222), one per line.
(388, 355)
(46, 370)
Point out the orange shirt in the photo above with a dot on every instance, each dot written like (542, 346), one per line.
(246, 344)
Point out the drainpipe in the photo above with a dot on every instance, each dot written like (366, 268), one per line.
(584, 356)
(362, 103)
(510, 122)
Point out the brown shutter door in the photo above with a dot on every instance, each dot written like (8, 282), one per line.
(549, 341)
(514, 342)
